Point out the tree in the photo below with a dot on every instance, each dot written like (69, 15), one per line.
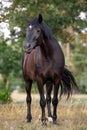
(61, 15)
(79, 55)
(10, 60)
(58, 14)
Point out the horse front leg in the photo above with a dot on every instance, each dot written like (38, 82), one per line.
(49, 86)
(55, 102)
(28, 85)
(42, 101)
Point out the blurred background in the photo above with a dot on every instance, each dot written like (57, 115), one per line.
(68, 21)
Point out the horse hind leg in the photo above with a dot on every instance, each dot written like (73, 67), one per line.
(55, 102)
(28, 85)
(49, 86)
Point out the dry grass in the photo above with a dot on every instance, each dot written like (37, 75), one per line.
(72, 115)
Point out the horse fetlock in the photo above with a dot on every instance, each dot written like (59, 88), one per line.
(42, 103)
(55, 119)
(50, 115)
(55, 102)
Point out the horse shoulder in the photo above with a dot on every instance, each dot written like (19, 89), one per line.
(29, 65)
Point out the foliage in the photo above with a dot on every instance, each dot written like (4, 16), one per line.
(64, 13)
(5, 96)
(9, 57)
(10, 65)
(79, 55)
(10, 62)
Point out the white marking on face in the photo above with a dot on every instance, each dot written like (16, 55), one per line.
(30, 26)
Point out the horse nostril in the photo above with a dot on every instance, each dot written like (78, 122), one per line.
(28, 45)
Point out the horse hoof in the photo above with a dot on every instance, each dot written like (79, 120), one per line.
(44, 123)
(29, 119)
(55, 122)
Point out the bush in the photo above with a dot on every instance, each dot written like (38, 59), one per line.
(5, 96)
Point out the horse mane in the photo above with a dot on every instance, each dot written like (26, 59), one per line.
(46, 30)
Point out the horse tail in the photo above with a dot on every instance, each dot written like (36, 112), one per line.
(68, 83)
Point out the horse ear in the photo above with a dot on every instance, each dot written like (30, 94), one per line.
(40, 19)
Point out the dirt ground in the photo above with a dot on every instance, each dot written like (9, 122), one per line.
(21, 97)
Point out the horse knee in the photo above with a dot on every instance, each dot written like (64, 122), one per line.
(54, 101)
(48, 100)
(28, 100)
(42, 102)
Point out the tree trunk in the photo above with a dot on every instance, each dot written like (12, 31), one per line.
(68, 54)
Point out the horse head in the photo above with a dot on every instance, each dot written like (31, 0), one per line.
(33, 34)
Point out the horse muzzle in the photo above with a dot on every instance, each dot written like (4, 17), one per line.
(29, 48)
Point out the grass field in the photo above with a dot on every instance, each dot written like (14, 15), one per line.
(72, 115)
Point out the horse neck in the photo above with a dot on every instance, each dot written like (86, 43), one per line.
(47, 48)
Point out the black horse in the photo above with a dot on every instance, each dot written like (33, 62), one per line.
(43, 62)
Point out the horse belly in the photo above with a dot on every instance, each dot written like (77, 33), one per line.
(53, 72)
